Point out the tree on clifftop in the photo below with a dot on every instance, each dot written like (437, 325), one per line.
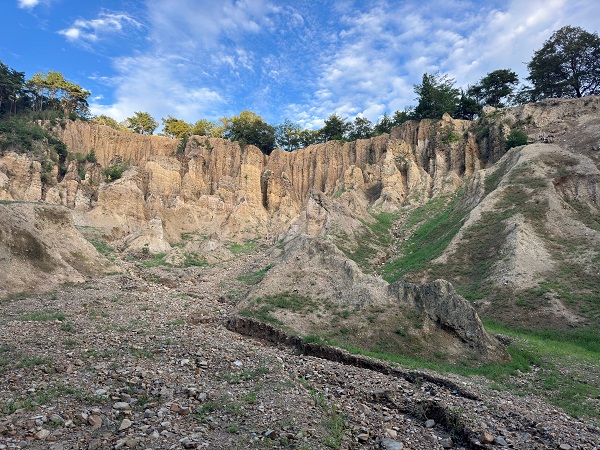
(250, 129)
(176, 128)
(436, 96)
(335, 129)
(142, 123)
(567, 65)
(494, 87)
(11, 87)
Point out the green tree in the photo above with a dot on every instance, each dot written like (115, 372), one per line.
(176, 128)
(250, 129)
(309, 137)
(287, 135)
(11, 87)
(205, 127)
(515, 138)
(107, 121)
(361, 128)
(436, 95)
(74, 99)
(335, 129)
(567, 65)
(142, 123)
(468, 107)
(494, 87)
(400, 117)
(383, 125)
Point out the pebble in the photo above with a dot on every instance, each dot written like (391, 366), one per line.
(486, 438)
(430, 423)
(95, 421)
(499, 440)
(42, 435)
(121, 406)
(126, 423)
(390, 444)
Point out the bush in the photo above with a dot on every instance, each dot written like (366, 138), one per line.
(515, 139)
(114, 171)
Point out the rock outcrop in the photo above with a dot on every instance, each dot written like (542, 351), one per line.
(313, 269)
(40, 248)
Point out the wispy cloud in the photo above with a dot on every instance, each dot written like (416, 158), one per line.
(105, 23)
(206, 59)
(27, 4)
(149, 83)
(384, 48)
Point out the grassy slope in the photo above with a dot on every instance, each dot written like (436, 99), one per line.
(563, 365)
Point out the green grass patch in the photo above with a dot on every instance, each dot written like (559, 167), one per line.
(253, 278)
(241, 248)
(42, 316)
(367, 244)
(262, 308)
(437, 222)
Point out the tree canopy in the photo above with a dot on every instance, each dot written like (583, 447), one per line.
(142, 123)
(53, 91)
(436, 95)
(494, 87)
(567, 65)
(11, 87)
(250, 129)
(176, 128)
(334, 129)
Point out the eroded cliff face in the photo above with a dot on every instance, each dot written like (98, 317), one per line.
(218, 188)
(238, 193)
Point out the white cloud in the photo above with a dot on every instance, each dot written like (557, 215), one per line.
(304, 63)
(147, 83)
(105, 23)
(27, 4)
(383, 50)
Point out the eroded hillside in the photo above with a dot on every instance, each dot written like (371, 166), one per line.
(338, 243)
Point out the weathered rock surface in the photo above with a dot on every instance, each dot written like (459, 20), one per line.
(316, 269)
(40, 248)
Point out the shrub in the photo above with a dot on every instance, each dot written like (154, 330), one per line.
(115, 171)
(515, 139)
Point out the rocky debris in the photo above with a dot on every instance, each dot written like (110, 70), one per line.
(145, 377)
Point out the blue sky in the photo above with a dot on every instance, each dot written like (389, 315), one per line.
(296, 59)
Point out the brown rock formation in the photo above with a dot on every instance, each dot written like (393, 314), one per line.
(40, 249)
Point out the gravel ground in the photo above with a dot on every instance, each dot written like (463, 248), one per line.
(142, 359)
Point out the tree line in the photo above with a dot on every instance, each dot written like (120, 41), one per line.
(567, 66)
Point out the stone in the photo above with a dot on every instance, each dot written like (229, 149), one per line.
(95, 421)
(447, 443)
(363, 437)
(390, 444)
(121, 406)
(125, 424)
(564, 447)
(271, 434)
(499, 440)
(430, 423)
(95, 444)
(56, 419)
(486, 438)
(391, 433)
(42, 435)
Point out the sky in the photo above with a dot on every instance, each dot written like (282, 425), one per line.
(301, 60)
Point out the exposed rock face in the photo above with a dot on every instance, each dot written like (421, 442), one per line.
(239, 192)
(322, 272)
(40, 249)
